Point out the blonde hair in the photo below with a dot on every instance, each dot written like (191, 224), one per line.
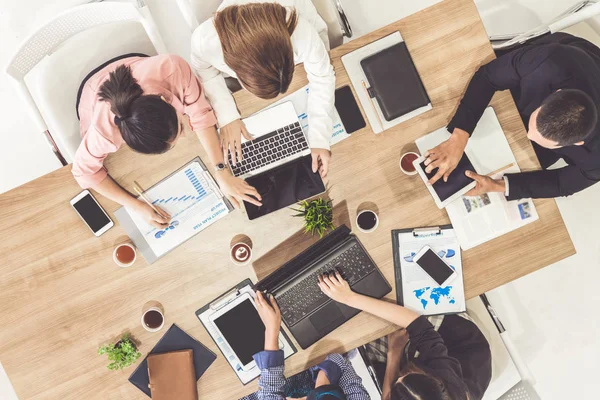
(257, 45)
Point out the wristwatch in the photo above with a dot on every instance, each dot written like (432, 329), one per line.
(220, 167)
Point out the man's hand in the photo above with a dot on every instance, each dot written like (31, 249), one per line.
(336, 287)
(271, 317)
(231, 140)
(446, 155)
(155, 219)
(485, 184)
(237, 189)
(320, 161)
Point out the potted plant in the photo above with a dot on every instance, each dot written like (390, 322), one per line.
(121, 354)
(317, 214)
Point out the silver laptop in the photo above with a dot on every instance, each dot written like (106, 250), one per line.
(278, 139)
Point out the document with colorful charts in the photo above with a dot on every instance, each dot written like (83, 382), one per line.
(193, 201)
(420, 292)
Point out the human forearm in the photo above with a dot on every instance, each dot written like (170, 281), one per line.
(111, 190)
(390, 312)
(392, 370)
(209, 138)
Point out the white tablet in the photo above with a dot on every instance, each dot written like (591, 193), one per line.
(244, 332)
(458, 184)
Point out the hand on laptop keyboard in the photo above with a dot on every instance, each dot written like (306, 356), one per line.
(336, 287)
(231, 140)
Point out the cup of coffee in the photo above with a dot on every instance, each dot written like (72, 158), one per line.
(241, 250)
(406, 163)
(125, 255)
(153, 319)
(367, 221)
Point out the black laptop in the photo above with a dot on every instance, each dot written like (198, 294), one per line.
(307, 312)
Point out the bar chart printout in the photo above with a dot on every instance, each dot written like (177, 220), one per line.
(191, 202)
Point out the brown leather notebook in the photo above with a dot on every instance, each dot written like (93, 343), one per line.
(172, 376)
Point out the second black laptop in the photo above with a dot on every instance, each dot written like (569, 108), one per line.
(307, 312)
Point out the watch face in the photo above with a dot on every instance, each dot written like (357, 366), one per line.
(220, 166)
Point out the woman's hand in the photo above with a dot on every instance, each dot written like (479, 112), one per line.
(231, 140)
(271, 317)
(150, 216)
(237, 189)
(336, 287)
(320, 161)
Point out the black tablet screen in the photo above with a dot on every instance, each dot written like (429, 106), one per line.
(243, 330)
(456, 181)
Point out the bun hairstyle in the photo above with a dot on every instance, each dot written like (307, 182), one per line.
(147, 123)
(257, 46)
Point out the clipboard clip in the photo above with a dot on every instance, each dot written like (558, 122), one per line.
(224, 299)
(427, 232)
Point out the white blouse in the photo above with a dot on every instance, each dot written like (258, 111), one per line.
(309, 48)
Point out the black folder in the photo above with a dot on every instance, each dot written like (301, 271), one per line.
(394, 81)
(175, 339)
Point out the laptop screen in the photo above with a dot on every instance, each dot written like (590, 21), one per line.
(283, 186)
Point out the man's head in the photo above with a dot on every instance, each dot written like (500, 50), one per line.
(565, 118)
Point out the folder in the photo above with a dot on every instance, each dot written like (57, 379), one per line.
(172, 375)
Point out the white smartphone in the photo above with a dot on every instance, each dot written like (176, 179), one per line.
(91, 213)
(434, 266)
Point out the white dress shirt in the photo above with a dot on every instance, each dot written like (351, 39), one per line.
(310, 43)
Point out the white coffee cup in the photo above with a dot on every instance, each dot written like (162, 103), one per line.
(146, 327)
(376, 221)
(119, 263)
(413, 172)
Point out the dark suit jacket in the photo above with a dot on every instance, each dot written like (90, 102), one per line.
(532, 73)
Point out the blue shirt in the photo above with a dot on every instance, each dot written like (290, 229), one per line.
(273, 385)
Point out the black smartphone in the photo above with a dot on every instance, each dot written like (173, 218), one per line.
(346, 106)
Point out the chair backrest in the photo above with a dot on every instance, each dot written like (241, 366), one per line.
(66, 46)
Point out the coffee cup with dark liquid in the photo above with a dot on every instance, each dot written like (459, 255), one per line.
(153, 319)
(241, 250)
(406, 163)
(125, 255)
(367, 221)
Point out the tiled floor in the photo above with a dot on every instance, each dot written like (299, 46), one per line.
(550, 314)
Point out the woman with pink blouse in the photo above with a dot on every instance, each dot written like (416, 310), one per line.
(148, 103)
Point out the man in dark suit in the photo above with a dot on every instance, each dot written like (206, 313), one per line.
(555, 82)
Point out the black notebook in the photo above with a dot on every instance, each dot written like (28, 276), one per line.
(175, 339)
(394, 81)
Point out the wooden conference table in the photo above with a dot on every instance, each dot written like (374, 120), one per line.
(62, 296)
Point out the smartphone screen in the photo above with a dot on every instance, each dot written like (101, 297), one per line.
(346, 106)
(435, 267)
(91, 213)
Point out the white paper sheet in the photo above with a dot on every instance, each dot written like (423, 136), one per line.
(300, 101)
(191, 201)
(420, 292)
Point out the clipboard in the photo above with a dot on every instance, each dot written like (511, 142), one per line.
(425, 297)
(149, 244)
(203, 314)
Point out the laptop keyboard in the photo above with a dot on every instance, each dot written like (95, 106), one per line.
(270, 148)
(306, 296)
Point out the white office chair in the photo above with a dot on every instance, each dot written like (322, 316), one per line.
(197, 11)
(580, 12)
(51, 63)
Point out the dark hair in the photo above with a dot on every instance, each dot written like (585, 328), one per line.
(567, 117)
(147, 122)
(257, 46)
(419, 386)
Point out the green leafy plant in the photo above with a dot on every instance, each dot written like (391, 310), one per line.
(121, 354)
(317, 214)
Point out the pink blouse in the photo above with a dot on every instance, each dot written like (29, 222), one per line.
(166, 75)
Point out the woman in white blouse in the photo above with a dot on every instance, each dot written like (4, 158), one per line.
(259, 43)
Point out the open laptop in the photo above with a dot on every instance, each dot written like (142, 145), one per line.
(307, 312)
(277, 162)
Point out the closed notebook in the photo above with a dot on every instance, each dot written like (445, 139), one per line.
(394, 81)
(172, 376)
(173, 340)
